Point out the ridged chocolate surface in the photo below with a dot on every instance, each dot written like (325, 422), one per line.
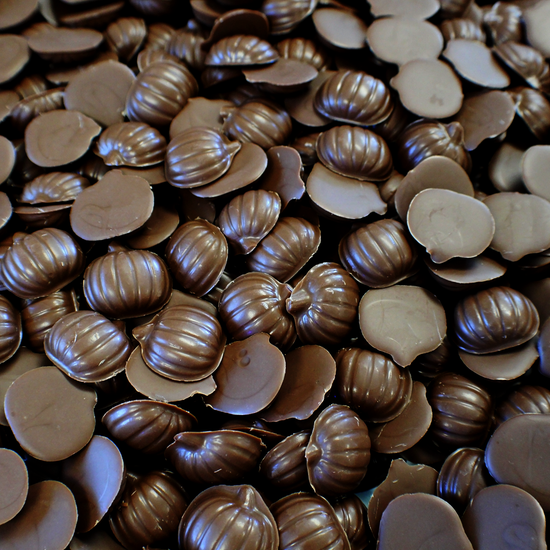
(284, 467)
(504, 21)
(198, 156)
(255, 302)
(462, 411)
(526, 399)
(304, 50)
(197, 254)
(379, 254)
(355, 152)
(534, 108)
(186, 45)
(53, 187)
(371, 384)
(451, 29)
(241, 50)
(27, 109)
(125, 36)
(248, 218)
(453, 8)
(306, 520)
(87, 347)
(159, 93)
(41, 263)
(131, 144)
(261, 122)
(495, 319)
(10, 329)
(149, 511)
(354, 97)
(212, 458)
(352, 516)
(148, 426)
(324, 304)
(158, 35)
(338, 451)
(228, 517)
(285, 15)
(127, 283)
(182, 343)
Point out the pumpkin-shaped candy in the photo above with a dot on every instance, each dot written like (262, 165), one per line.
(158, 36)
(495, 319)
(127, 283)
(182, 343)
(324, 304)
(525, 399)
(197, 253)
(352, 515)
(53, 187)
(27, 109)
(453, 29)
(241, 50)
(505, 22)
(534, 108)
(11, 331)
(224, 517)
(304, 50)
(379, 254)
(185, 44)
(285, 15)
(125, 36)
(255, 302)
(41, 263)
(198, 156)
(149, 510)
(159, 93)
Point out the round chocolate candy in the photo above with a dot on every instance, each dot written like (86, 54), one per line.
(11, 331)
(53, 187)
(41, 263)
(182, 343)
(534, 108)
(87, 347)
(495, 319)
(241, 50)
(127, 283)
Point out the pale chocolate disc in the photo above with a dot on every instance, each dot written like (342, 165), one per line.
(418, 9)
(536, 16)
(505, 170)
(428, 88)
(59, 137)
(403, 321)
(474, 61)
(114, 206)
(450, 224)
(199, 111)
(7, 158)
(283, 76)
(403, 39)
(535, 168)
(14, 484)
(341, 196)
(340, 28)
(522, 224)
(15, 55)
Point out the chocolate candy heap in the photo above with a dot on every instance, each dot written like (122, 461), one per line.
(274, 275)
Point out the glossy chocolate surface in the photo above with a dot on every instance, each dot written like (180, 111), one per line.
(352, 516)
(241, 50)
(53, 187)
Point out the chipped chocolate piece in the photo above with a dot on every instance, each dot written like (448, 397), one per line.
(14, 484)
(340, 28)
(241, 50)
(15, 55)
(199, 111)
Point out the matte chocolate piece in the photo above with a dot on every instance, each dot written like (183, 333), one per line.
(495, 319)
(411, 522)
(99, 92)
(41, 263)
(14, 12)
(525, 399)
(536, 19)
(47, 520)
(14, 484)
(341, 196)
(462, 28)
(154, 386)
(15, 55)
(533, 107)
(241, 50)
(418, 9)
(95, 476)
(379, 254)
(310, 372)
(53, 187)
(372, 385)
(462, 476)
(116, 205)
(125, 36)
(352, 516)
(402, 39)
(462, 411)
(160, 226)
(228, 517)
(505, 170)
(31, 107)
(516, 453)
(159, 93)
(197, 253)
(87, 347)
(283, 76)
(11, 331)
(340, 28)
(250, 375)
(284, 467)
(285, 15)
(404, 321)
(402, 478)
(149, 511)
(51, 416)
(212, 458)
(182, 343)
(198, 156)
(534, 166)
(299, 516)
(503, 516)
(59, 137)
(304, 50)
(407, 429)
(504, 21)
(255, 302)
(199, 111)
(338, 451)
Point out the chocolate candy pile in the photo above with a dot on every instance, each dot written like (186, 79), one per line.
(274, 274)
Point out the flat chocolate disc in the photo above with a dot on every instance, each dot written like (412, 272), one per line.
(46, 522)
(63, 42)
(418, 9)
(344, 197)
(14, 484)
(283, 76)
(100, 92)
(153, 174)
(535, 167)
(505, 168)
(15, 55)
(114, 206)
(64, 74)
(96, 540)
(340, 28)
(249, 377)
(7, 158)
(58, 137)
(536, 16)
(404, 321)
(199, 111)
(163, 222)
(51, 416)
(15, 12)
(95, 476)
